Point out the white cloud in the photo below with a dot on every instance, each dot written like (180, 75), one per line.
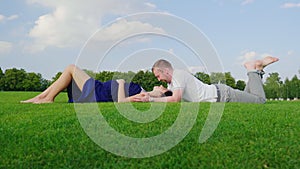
(171, 51)
(265, 55)
(123, 28)
(246, 56)
(71, 23)
(246, 2)
(12, 17)
(5, 47)
(252, 55)
(291, 5)
(291, 52)
(4, 18)
(195, 69)
(150, 5)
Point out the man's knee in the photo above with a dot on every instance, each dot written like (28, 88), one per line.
(262, 100)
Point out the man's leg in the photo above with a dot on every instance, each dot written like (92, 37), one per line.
(255, 72)
(71, 72)
(254, 91)
(229, 94)
(255, 84)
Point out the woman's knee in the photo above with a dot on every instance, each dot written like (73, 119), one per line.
(70, 68)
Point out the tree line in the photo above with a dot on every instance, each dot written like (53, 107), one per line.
(19, 80)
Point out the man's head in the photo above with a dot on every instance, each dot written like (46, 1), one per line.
(163, 70)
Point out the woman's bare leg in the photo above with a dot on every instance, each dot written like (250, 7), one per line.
(71, 72)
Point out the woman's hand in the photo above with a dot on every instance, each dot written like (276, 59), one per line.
(120, 81)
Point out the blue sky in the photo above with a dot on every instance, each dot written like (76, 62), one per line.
(44, 36)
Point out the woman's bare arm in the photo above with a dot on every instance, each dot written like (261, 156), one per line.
(121, 91)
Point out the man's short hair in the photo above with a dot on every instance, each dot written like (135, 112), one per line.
(162, 64)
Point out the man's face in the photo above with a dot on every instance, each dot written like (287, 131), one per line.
(162, 75)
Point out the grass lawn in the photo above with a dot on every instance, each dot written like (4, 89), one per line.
(50, 136)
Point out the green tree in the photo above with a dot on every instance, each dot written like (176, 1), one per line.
(230, 81)
(203, 77)
(32, 82)
(127, 76)
(147, 80)
(90, 73)
(1, 73)
(13, 79)
(294, 87)
(285, 89)
(217, 77)
(240, 84)
(139, 78)
(1, 80)
(44, 84)
(104, 76)
(57, 75)
(272, 86)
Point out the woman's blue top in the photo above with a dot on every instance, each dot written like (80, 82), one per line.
(96, 91)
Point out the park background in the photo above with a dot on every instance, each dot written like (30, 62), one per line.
(275, 88)
(46, 36)
(39, 38)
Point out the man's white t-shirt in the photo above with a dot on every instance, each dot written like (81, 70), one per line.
(193, 89)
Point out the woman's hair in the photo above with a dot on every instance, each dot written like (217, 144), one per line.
(157, 93)
(162, 64)
(168, 93)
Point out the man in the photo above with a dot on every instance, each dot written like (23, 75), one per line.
(188, 88)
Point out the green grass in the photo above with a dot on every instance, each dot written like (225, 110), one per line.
(50, 136)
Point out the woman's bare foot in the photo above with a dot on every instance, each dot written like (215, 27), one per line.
(37, 100)
(261, 64)
(43, 101)
(32, 100)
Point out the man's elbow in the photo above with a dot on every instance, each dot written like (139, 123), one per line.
(174, 99)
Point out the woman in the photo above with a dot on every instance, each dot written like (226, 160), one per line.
(82, 88)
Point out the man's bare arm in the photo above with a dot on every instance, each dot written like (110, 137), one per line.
(176, 97)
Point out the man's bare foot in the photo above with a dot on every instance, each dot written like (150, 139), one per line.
(261, 64)
(250, 65)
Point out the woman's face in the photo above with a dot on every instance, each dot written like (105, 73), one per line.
(160, 88)
(158, 91)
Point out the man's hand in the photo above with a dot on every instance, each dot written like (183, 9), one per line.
(142, 97)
